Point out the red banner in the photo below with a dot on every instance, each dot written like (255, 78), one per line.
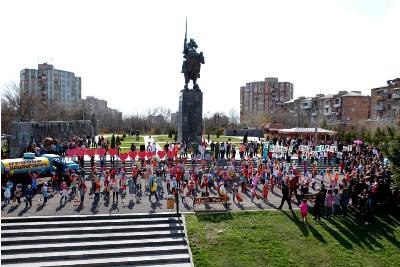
(161, 153)
(112, 152)
(132, 155)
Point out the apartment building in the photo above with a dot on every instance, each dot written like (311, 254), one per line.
(385, 101)
(51, 85)
(262, 98)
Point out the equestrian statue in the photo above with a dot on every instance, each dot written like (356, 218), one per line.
(192, 63)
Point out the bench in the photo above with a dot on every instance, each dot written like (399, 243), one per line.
(211, 200)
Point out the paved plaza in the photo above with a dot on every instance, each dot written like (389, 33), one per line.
(141, 204)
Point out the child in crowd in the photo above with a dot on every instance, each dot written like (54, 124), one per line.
(7, 195)
(328, 204)
(28, 196)
(265, 192)
(131, 188)
(168, 182)
(64, 192)
(160, 190)
(336, 202)
(45, 192)
(235, 191)
(18, 193)
(304, 210)
(82, 190)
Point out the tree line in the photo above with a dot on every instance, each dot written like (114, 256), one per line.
(18, 105)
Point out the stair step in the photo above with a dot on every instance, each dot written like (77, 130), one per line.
(63, 246)
(61, 223)
(120, 261)
(92, 237)
(89, 217)
(93, 254)
(92, 229)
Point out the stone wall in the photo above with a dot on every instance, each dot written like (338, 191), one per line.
(253, 132)
(22, 133)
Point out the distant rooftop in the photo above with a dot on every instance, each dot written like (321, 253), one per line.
(327, 96)
(354, 93)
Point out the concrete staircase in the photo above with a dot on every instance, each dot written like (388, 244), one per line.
(87, 165)
(96, 240)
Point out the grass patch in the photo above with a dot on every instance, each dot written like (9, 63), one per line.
(163, 139)
(132, 139)
(223, 138)
(279, 239)
(128, 139)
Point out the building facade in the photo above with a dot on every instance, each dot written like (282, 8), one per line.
(355, 107)
(106, 116)
(347, 110)
(385, 101)
(333, 110)
(259, 100)
(51, 85)
(98, 106)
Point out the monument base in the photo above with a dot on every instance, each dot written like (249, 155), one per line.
(190, 116)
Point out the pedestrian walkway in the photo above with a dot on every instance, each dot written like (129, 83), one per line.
(102, 240)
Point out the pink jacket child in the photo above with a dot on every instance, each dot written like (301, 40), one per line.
(304, 210)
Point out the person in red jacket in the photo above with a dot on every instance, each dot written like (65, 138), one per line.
(178, 175)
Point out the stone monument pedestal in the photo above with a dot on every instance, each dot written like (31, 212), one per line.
(190, 116)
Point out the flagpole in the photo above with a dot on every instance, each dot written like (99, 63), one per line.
(185, 41)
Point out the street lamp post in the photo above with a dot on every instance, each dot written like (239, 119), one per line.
(316, 124)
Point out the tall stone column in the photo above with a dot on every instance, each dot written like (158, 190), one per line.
(190, 116)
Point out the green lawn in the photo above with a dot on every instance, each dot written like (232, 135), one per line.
(223, 138)
(162, 139)
(275, 238)
(132, 139)
(128, 139)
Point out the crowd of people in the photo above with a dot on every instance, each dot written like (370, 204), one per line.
(60, 146)
(350, 180)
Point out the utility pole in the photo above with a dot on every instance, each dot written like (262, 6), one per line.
(316, 125)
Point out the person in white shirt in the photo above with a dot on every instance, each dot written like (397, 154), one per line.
(202, 150)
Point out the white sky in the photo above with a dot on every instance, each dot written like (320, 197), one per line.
(130, 52)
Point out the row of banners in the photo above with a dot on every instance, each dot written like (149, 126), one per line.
(304, 149)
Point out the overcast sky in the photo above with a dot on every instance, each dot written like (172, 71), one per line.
(130, 52)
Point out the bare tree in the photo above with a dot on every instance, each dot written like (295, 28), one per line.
(233, 117)
(17, 105)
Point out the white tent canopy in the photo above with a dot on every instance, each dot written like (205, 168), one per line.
(306, 131)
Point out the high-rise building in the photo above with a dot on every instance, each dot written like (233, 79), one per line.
(51, 85)
(98, 106)
(261, 99)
